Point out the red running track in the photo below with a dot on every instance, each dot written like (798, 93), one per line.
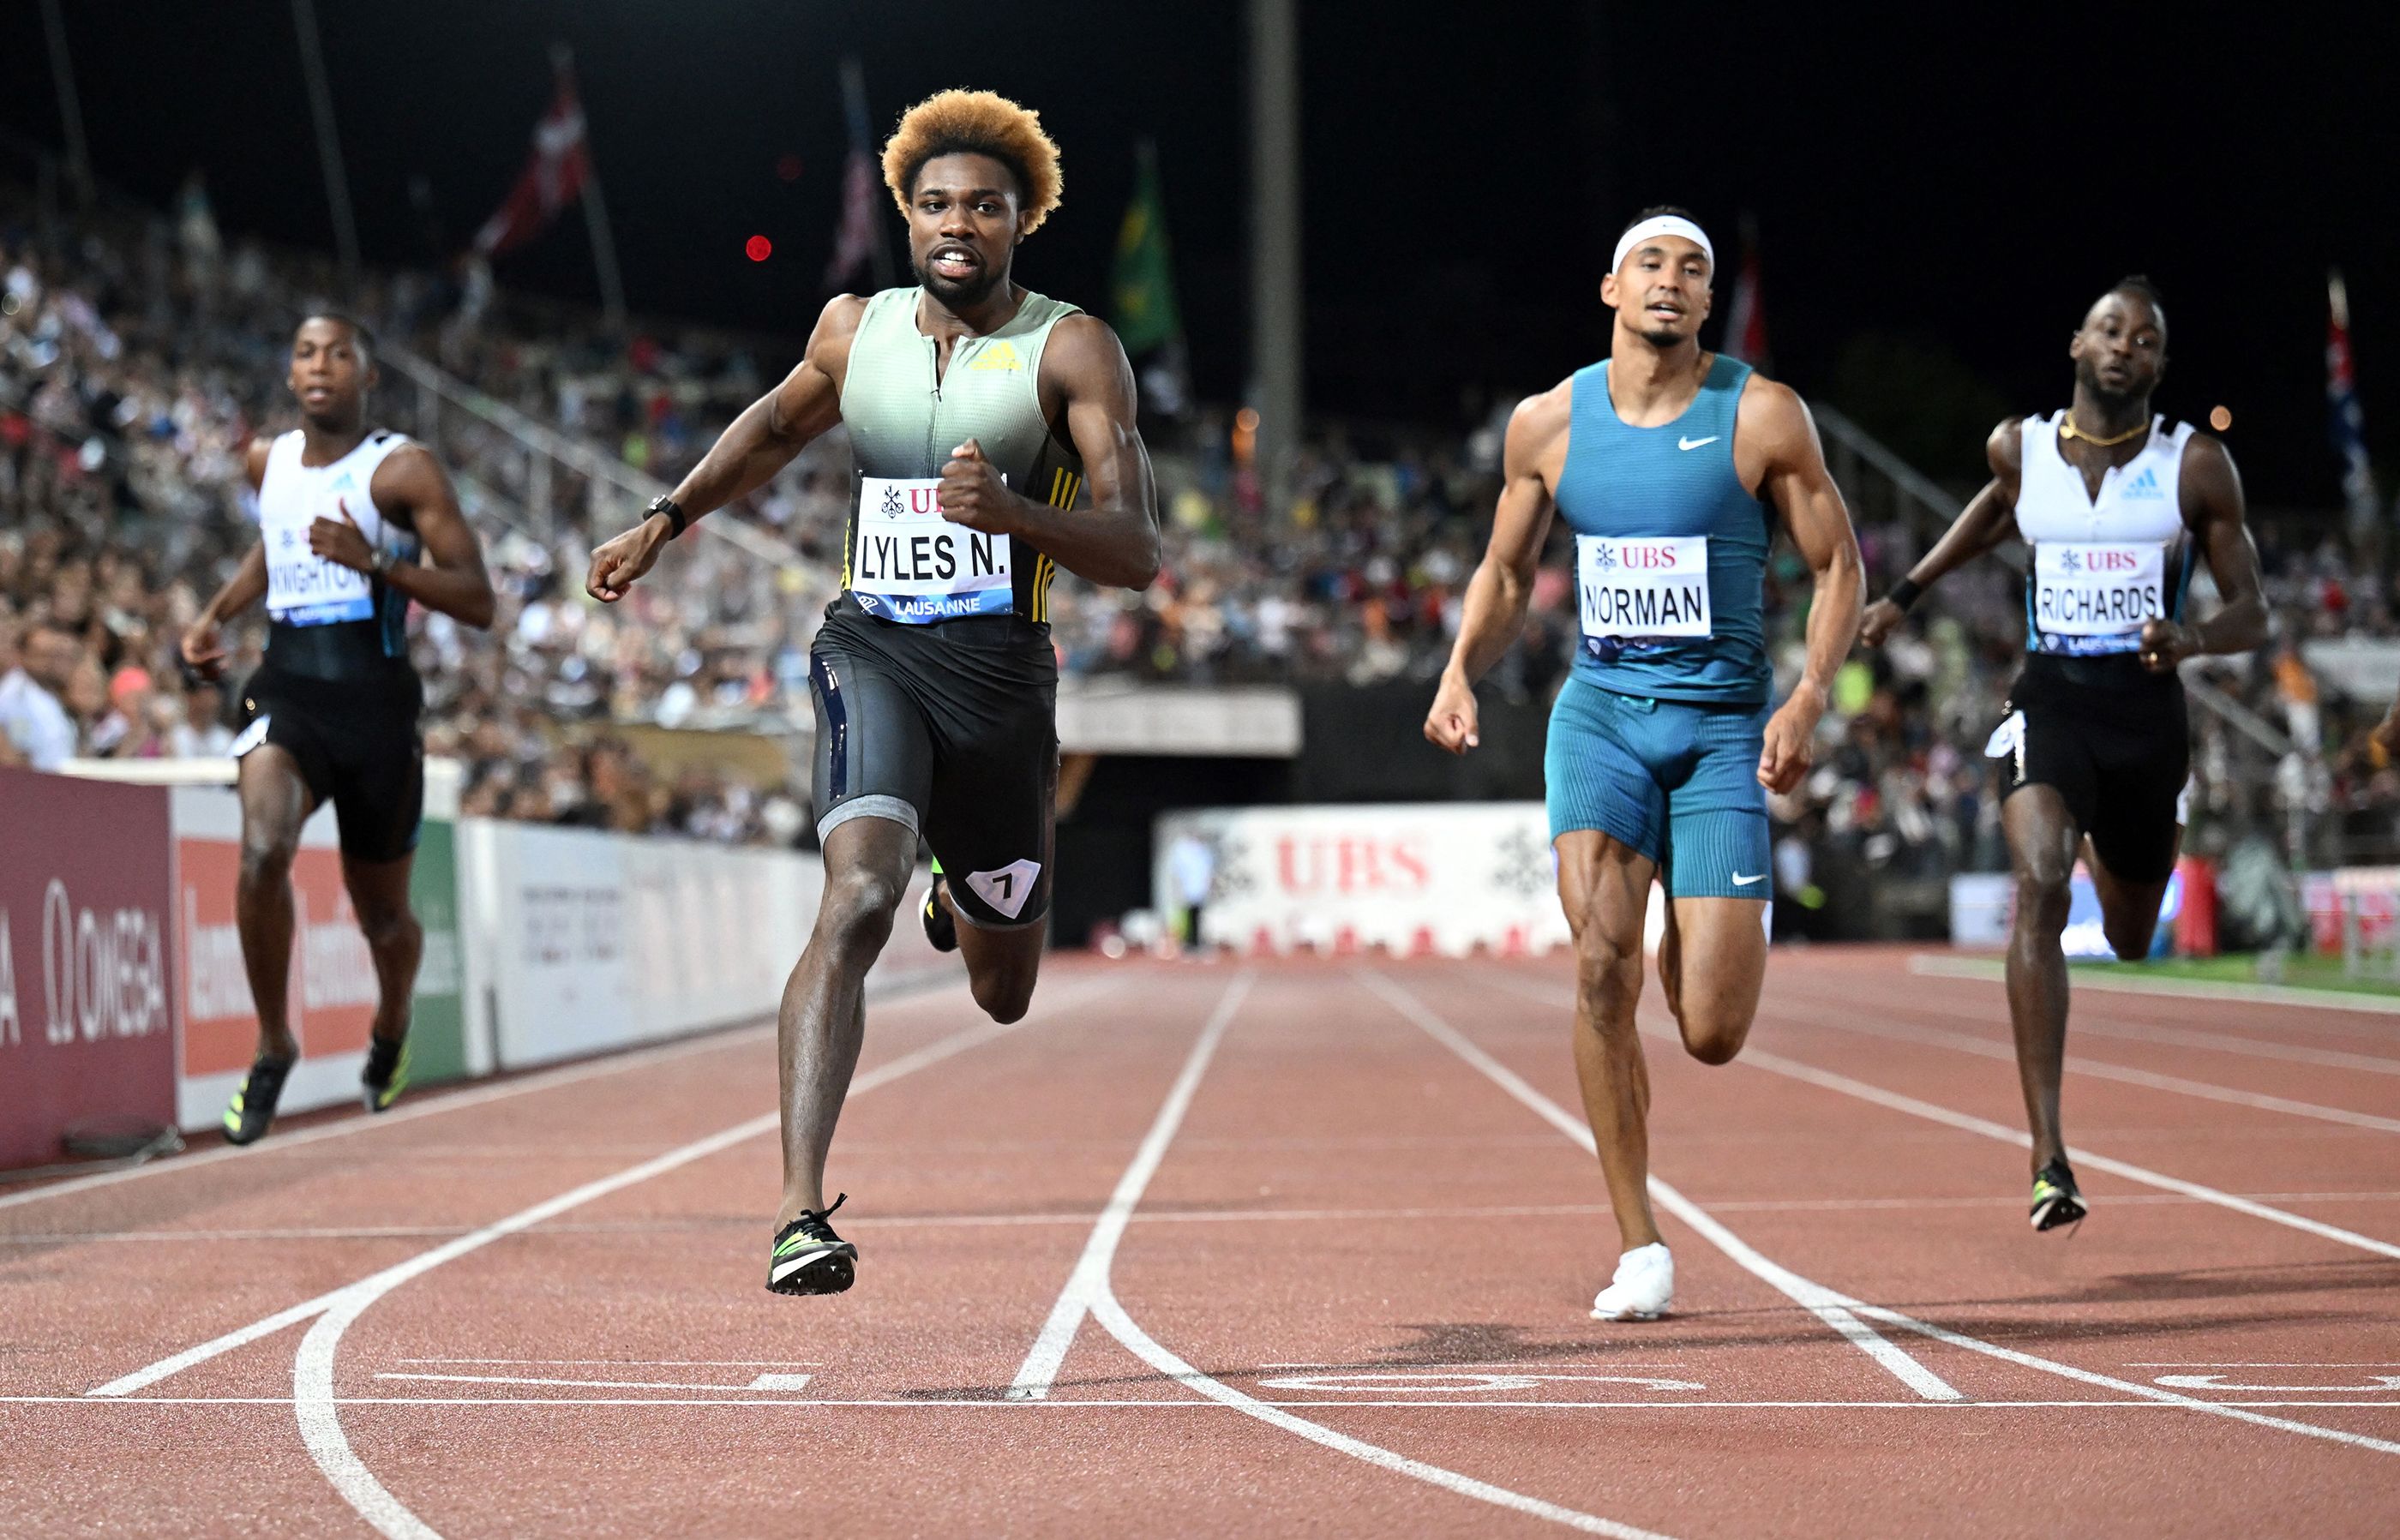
(1231, 1250)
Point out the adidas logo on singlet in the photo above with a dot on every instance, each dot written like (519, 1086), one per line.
(2143, 485)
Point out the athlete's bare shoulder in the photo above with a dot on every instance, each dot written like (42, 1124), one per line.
(1538, 433)
(2004, 451)
(2210, 486)
(1772, 417)
(1540, 418)
(254, 459)
(1082, 341)
(837, 327)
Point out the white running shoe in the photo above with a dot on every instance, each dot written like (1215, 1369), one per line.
(1643, 1290)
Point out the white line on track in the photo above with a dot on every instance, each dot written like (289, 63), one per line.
(2028, 1360)
(312, 1369)
(1223, 1215)
(1838, 1311)
(1965, 1043)
(1793, 1069)
(1041, 1367)
(432, 1103)
(930, 1403)
(1089, 1290)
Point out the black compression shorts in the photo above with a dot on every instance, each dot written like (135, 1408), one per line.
(958, 741)
(2117, 751)
(357, 746)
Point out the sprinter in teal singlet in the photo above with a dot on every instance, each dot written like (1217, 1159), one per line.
(1672, 466)
(976, 411)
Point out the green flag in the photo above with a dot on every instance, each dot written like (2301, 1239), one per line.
(1143, 281)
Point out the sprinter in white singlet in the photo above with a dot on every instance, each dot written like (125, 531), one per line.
(2117, 506)
(355, 524)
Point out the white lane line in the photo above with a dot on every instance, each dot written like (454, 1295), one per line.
(1111, 1315)
(929, 1403)
(628, 1363)
(312, 1367)
(2131, 1388)
(593, 1384)
(2090, 1022)
(174, 1364)
(1223, 1215)
(1089, 1290)
(2027, 1360)
(1838, 1311)
(1041, 1367)
(1964, 1043)
(432, 1103)
(1793, 1069)
(1935, 967)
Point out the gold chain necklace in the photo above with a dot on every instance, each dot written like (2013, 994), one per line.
(2070, 431)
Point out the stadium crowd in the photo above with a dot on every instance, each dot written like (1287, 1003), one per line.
(138, 357)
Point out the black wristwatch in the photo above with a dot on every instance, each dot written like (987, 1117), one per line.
(664, 504)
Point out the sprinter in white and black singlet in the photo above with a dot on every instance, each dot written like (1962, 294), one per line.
(355, 524)
(2117, 506)
(975, 411)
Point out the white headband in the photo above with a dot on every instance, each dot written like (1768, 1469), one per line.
(1664, 225)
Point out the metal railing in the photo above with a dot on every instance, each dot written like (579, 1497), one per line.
(545, 495)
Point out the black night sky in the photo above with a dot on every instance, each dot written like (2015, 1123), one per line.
(1939, 189)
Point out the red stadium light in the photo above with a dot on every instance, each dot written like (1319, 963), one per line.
(759, 247)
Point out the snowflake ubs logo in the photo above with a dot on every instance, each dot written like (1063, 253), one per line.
(1525, 868)
(1603, 556)
(2071, 560)
(892, 500)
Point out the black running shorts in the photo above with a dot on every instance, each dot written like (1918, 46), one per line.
(955, 739)
(2117, 751)
(357, 746)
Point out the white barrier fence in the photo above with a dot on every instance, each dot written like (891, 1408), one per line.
(1443, 878)
(578, 941)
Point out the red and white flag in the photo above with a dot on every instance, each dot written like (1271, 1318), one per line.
(856, 239)
(1745, 335)
(554, 177)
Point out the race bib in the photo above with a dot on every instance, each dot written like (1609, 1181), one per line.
(2089, 599)
(910, 564)
(1641, 589)
(303, 589)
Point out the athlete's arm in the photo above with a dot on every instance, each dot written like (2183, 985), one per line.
(203, 648)
(768, 436)
(1502, 589)
(410, 484)
(2214, 513)
(1981, 528)
(1115, 541)
(1776, 424)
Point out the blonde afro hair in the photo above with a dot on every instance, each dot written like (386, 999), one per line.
(976, 123)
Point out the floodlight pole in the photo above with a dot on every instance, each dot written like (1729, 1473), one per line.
(70, 107)
(1277, 381)
(329, 143)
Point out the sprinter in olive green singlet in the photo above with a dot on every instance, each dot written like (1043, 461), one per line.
(976, 411)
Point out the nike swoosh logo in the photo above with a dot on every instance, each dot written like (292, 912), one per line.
(1741, 881)
(1681, 443)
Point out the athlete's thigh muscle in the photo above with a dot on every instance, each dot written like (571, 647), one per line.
(274, 796)
(1720, 958)
(1605, 887)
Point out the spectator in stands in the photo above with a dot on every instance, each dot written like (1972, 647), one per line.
(34, 712)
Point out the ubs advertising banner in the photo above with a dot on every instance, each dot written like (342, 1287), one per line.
(87, 1025)
(1415, 877)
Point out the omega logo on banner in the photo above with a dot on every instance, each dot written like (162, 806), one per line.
(104, 974)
